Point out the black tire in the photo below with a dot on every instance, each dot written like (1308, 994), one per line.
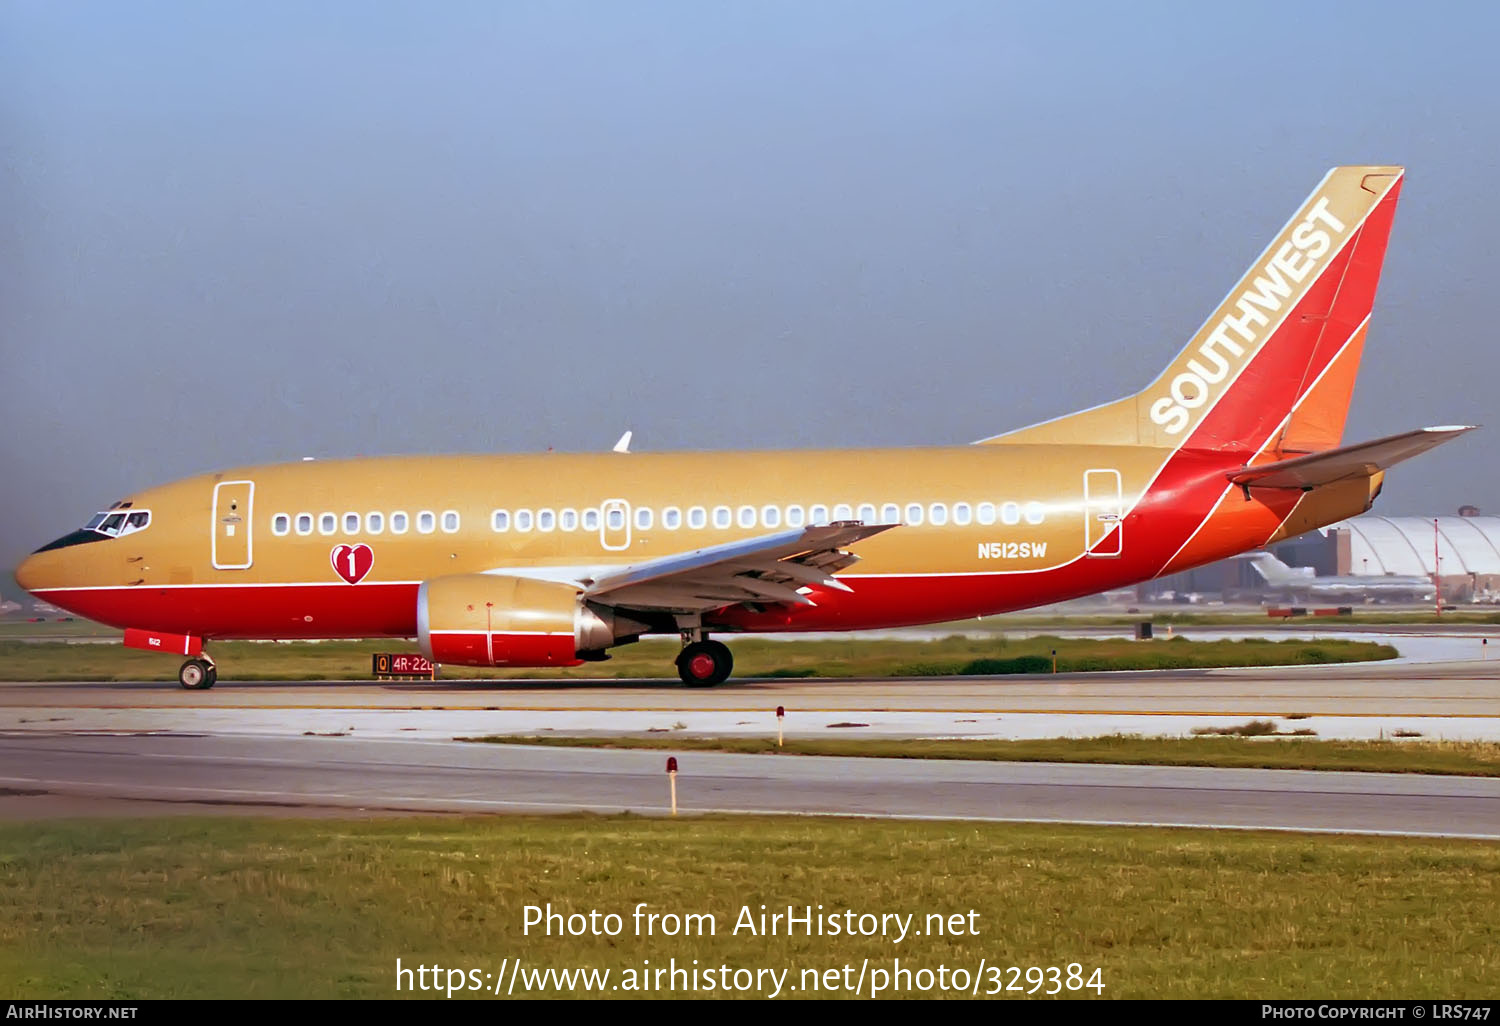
(197, 675)
(704, 664)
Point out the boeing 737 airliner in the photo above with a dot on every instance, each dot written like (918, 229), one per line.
(553, 559)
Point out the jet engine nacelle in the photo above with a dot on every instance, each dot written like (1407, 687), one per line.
(494, 620)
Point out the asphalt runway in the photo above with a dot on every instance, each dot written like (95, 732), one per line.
(219, 773)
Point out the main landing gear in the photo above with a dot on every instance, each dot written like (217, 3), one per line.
(702, 664)
(198, 674)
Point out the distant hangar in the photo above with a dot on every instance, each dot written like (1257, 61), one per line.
(1453, 546)
(1463, 550)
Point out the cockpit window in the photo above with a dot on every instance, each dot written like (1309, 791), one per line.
(119, 522)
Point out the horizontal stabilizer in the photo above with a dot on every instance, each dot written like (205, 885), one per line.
(1352, 461)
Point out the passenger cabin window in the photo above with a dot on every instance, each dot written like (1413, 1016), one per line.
(591, 520)
(500, 520)
(962, 514)
(843, 512)
(938, 514)
(450, 521)
(697, 518)
(615, 518)
(304, 523)
(351, 523)
(1010, 513)
(914, 514)
(643, 518)
(546, 520)
(721, 517)
(374, 523)
(985, 513)
(568, 520)
(795, 517)
(818, 515)
(327, 523)
(890, 513)
(426, 522)
(1035, 512)
(281, 524)
(523, 520)
(770, 516)
(746, 516)
(671, 518)
(867, 513)
(398, 522)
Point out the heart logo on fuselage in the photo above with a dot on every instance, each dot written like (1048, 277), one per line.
(352, 562)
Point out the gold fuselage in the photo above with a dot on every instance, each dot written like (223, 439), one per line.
(1031, 534)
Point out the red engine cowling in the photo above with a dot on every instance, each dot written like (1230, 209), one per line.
(493, 620)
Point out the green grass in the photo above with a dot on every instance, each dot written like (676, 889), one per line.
(1255, 728)
(1465, 758)
(754, 657)
(54, 628)
(1361, 616)
(190, 908)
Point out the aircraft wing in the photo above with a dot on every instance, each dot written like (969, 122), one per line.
(768, 569)
(1321, 468)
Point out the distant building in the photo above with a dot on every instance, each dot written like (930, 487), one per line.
(1463, 550)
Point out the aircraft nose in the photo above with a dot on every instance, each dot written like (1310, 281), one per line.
(45, 568)
(29, 574)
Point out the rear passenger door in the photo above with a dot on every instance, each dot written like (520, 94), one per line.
(1103, 510)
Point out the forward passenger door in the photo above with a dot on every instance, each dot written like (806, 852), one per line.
(231, 547)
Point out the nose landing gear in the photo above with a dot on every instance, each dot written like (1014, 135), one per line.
(198, 674)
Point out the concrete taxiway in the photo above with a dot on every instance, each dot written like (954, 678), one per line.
(219, 773)
(369, 747)
(1448, 700)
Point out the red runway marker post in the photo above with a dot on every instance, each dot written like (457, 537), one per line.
(672, 776)
(780, 715)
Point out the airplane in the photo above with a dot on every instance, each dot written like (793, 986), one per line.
(1302, 583)
(552, 559)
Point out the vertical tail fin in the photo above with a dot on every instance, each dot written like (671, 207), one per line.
(1274, 365)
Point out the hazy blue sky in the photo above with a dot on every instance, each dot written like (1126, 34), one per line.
(246, 232)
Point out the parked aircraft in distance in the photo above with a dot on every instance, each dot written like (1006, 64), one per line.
(1301, 584)
(552, 559)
